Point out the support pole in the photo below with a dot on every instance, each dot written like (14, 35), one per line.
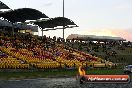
(42, 32)
(63, 22)
(12, 29)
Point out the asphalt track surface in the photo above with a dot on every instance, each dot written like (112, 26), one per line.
(57, 83)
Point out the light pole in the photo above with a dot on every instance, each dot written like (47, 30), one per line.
(63, 22)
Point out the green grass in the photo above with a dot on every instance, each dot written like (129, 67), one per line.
(37, 74)
(104, 71)
(55, 73)
(122, 56)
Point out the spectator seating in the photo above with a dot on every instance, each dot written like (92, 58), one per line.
(26, 51)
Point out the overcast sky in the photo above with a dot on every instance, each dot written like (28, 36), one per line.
(94, 17)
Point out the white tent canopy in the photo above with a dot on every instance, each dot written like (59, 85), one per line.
(93, 37)
(5, 23)
(25, 26)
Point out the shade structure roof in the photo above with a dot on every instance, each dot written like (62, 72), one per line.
(3, 6)
(54, 22)
(94, 38)
(45, 24)
(22, 14)
(62, 21)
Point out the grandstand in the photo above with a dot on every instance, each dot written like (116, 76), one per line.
(26, 51)
(114, 49)
(18, 52)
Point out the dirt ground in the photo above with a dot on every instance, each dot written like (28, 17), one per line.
(56, 83)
